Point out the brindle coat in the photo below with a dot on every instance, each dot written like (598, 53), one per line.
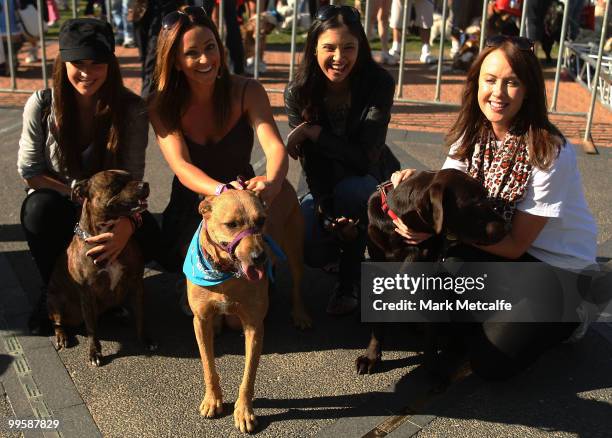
(79, 290)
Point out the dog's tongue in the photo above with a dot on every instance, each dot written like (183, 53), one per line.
(253, 273)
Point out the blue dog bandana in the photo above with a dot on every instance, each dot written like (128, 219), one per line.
(199, 271)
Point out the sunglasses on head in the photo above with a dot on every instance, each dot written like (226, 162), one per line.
(521, 42)
(349, 13)
(190, 13)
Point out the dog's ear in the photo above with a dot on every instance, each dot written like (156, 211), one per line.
(79, 190)
(205, 206)
(436, 199)
(378, 243)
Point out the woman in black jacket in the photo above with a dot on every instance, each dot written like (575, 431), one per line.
(339, 106)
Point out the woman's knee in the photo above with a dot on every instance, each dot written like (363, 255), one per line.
(319, 249)
(45, 209)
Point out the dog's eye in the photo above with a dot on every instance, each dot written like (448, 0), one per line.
(232, 224)
(259, 223)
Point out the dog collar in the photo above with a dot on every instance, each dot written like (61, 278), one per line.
(80, 232)
(382, 188)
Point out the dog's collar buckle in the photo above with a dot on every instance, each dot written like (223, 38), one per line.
(80, 232)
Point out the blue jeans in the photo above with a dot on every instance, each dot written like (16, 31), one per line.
(321, 247)
(125, 29)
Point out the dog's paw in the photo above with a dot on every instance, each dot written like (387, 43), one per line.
(61, 340)
(244, 417)
(95, 358)
(211, 406)
(150, 345)
(301, 318)
(366, 364)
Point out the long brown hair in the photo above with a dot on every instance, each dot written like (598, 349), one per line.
(110, 124)
(169, 101)
(543, 138)
(309, 79)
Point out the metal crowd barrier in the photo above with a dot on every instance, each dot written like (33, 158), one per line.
(595, 80)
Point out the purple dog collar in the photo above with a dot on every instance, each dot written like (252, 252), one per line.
(231, 247)
(224, 187)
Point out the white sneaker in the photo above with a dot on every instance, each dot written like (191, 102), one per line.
(395, 53)
(32, 56)
(392, 57)
(427, 58)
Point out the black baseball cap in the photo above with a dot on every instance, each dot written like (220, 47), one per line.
(86, 38)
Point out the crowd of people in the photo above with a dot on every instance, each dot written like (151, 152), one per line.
(339, 108)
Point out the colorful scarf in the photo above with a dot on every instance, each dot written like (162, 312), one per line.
(503, 170)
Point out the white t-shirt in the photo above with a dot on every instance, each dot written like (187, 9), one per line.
(569, 238)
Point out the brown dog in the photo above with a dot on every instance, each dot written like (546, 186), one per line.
(79, 290)
(238, 216)
(449, 204)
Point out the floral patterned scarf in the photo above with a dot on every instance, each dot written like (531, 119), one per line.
(503, 170)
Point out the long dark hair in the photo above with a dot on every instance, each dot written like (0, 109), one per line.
(110, 124)
(171, 97)
(543, 138)
(309, 81)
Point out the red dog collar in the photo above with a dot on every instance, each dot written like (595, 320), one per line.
(382, 188)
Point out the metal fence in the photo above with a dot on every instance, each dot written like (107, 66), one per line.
(586, 68)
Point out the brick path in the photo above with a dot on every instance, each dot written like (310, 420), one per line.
(420, 81)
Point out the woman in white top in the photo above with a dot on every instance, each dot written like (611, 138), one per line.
(504, 139)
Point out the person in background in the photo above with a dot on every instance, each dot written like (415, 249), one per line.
(146, 33)
(424, 19)
(380, 14)
(124, 27)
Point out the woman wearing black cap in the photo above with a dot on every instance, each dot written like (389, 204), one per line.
(87, 122)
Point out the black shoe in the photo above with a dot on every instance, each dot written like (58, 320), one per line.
(39, 323)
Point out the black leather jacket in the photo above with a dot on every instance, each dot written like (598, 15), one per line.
(362, 150)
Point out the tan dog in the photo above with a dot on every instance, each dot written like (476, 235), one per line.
(267, 24)
(225, 217)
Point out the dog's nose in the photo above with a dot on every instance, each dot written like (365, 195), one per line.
(259, 258)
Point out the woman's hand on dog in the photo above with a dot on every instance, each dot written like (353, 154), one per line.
(265, 189)
(109, 245)
(301, 133)
(400, 175)
(412, 237)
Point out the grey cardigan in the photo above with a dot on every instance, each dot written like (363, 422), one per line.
(38, 149)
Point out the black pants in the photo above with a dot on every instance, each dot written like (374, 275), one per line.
(48, 221)
(501, 350)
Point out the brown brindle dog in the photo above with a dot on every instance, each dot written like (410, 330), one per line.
(238, 216)
(80, 290)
